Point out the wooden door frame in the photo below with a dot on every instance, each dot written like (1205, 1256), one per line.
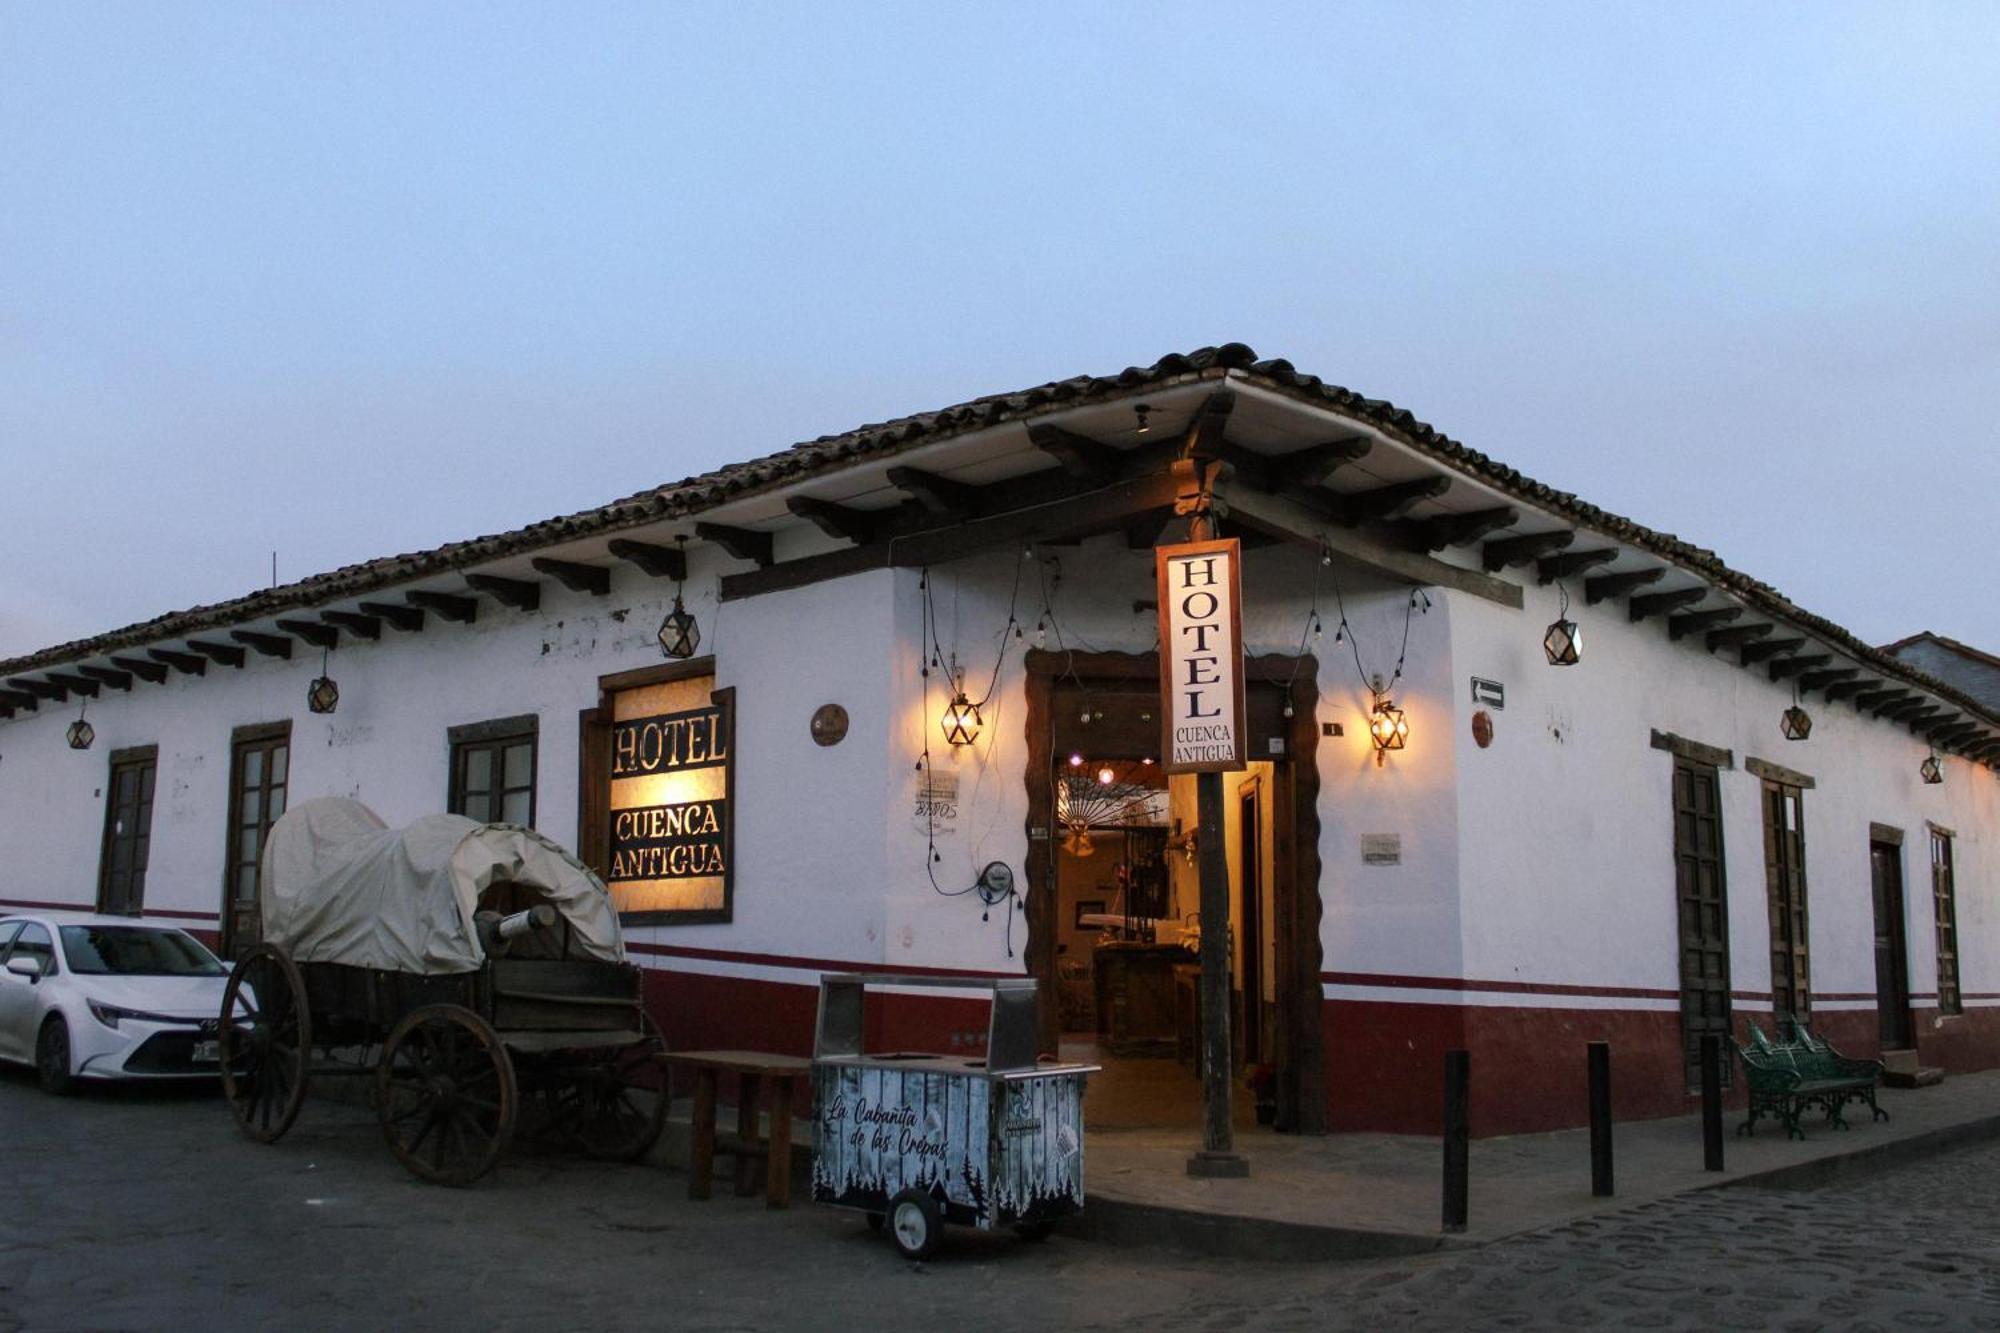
(1250, 905)
(138, 757)
(1294, 869)
(1899, 942)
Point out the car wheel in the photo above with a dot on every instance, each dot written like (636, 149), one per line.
(52, 1057)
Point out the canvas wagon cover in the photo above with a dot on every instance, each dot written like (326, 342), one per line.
(340, 886)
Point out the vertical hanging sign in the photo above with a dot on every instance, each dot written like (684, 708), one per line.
(1201, 656)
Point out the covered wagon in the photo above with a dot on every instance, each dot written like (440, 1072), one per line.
(473, 970)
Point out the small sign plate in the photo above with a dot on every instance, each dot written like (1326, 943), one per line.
(1490, 693)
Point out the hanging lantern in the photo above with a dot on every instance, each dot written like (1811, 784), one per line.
(1077, 842)
(679, 634)
(1796, 723)
(1106, 776)
(80, 733)
(1563, 643)
(1932, 771)
(961, 721)
(323, 695)
(1387, 727)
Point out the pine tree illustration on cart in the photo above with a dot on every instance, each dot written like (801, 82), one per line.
(993, 1150)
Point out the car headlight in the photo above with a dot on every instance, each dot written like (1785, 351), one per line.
(109, 1014)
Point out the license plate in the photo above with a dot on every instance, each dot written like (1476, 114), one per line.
(205, 1053)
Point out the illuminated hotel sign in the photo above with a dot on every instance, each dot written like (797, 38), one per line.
(671, 852)
(1201, 656)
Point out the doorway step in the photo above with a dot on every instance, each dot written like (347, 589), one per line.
(1901, 1070)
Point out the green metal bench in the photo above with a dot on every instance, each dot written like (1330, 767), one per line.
(1788, 1078)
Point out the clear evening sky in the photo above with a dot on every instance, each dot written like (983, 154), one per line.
(345, 280)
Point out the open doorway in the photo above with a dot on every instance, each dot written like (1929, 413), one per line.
(1114, 897)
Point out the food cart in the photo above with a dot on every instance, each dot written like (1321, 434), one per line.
(917, 1139)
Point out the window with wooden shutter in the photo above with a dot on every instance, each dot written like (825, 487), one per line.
(1944, 902)
(1785, 882)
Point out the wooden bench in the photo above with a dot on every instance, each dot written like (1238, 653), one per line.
(1786, 1078)
(752, 1069)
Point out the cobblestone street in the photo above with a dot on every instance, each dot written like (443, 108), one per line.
(146, 1210)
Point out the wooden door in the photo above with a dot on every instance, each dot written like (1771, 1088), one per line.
(260, 777)
(128, 825)
(1250, 893)
(1785, 882)
(1703, 897)
(1892, 956)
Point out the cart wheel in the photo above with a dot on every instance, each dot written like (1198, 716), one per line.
(1034, 1232)
(445, 1089)
(916, 1224)
(615, 1104)
(263, 1040)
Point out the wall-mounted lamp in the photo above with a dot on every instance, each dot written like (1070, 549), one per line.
(80, 733)
(679, 634)
(1387, 727)
(323, 695)
(1932, 771)
(961, 721)
(1795, 722)
(1563, 643)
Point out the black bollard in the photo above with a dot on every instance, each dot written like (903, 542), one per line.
(1600, 1118)
(1711, 1101)
(1457, 1136)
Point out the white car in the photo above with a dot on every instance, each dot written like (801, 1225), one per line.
(107, 997)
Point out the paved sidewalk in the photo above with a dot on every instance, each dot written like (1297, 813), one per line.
(1352, 1195)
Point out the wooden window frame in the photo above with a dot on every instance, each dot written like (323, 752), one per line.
(139, 757)
(1697, 762)
(496, 735)
(242, 740)
(1787, 900)
(1944, 908)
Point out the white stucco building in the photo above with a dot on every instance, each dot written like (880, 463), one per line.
(1627, 848)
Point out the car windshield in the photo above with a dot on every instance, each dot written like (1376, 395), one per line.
(135, 951)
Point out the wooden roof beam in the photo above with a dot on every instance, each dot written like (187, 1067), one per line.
(1606, 586)
(311, 632)
(1572, 563)
(1524, 550)
(186, 663)
(19, 699)
(1694, 622)
(839, 521)
(407, 619)
(743, 543)
(940, 495)
(1735, 636)
(1878, 698)
(1791, 666)
(661, 562)
(1312, 465)
(1819, 680)
(1753, 653)
(515, 594)
(1840, 689)
(74, 684)
(221, 654)
(1080, 456)
(117, 680)
(1386, 502)
(1434, 534)
(1658, 603)
(592, 579)
(153, 673)
(447, 606)
(1906, 709)
(269, 645)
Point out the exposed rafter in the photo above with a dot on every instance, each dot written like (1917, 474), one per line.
(1881, 698)
(1819, 680)
(1386, 502)
(1082, 457)
(186, 663)
(1507, 552)
(1143, 532)
(940, 495)
(270, 645)
(743, 543)
(1606, 586)
(447, 606)
(1792, 666)
(154, 673)
(1736, 636)
(19, 699)
(1571, 563)
(594, 580)
(1312, 465)
(41, 689)
(407, 619)
(1753, 653)
(1901, 707)
(1840, 689)
(117, 680)
(1695, 622)
(839, 521)
(661, 562)
(311, 632)
(74, 684)
(221, 654)
(515, 594)
(1658, 603)
(1434, 534)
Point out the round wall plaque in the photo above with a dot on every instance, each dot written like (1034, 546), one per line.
(829, 724)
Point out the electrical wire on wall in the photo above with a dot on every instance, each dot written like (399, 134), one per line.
(1375, 686)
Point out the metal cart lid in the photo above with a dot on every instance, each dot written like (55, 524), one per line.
(1010, 1030)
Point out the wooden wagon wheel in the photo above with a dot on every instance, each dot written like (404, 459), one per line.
(263, 1041)
(447, 1094)
(613, 1103)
